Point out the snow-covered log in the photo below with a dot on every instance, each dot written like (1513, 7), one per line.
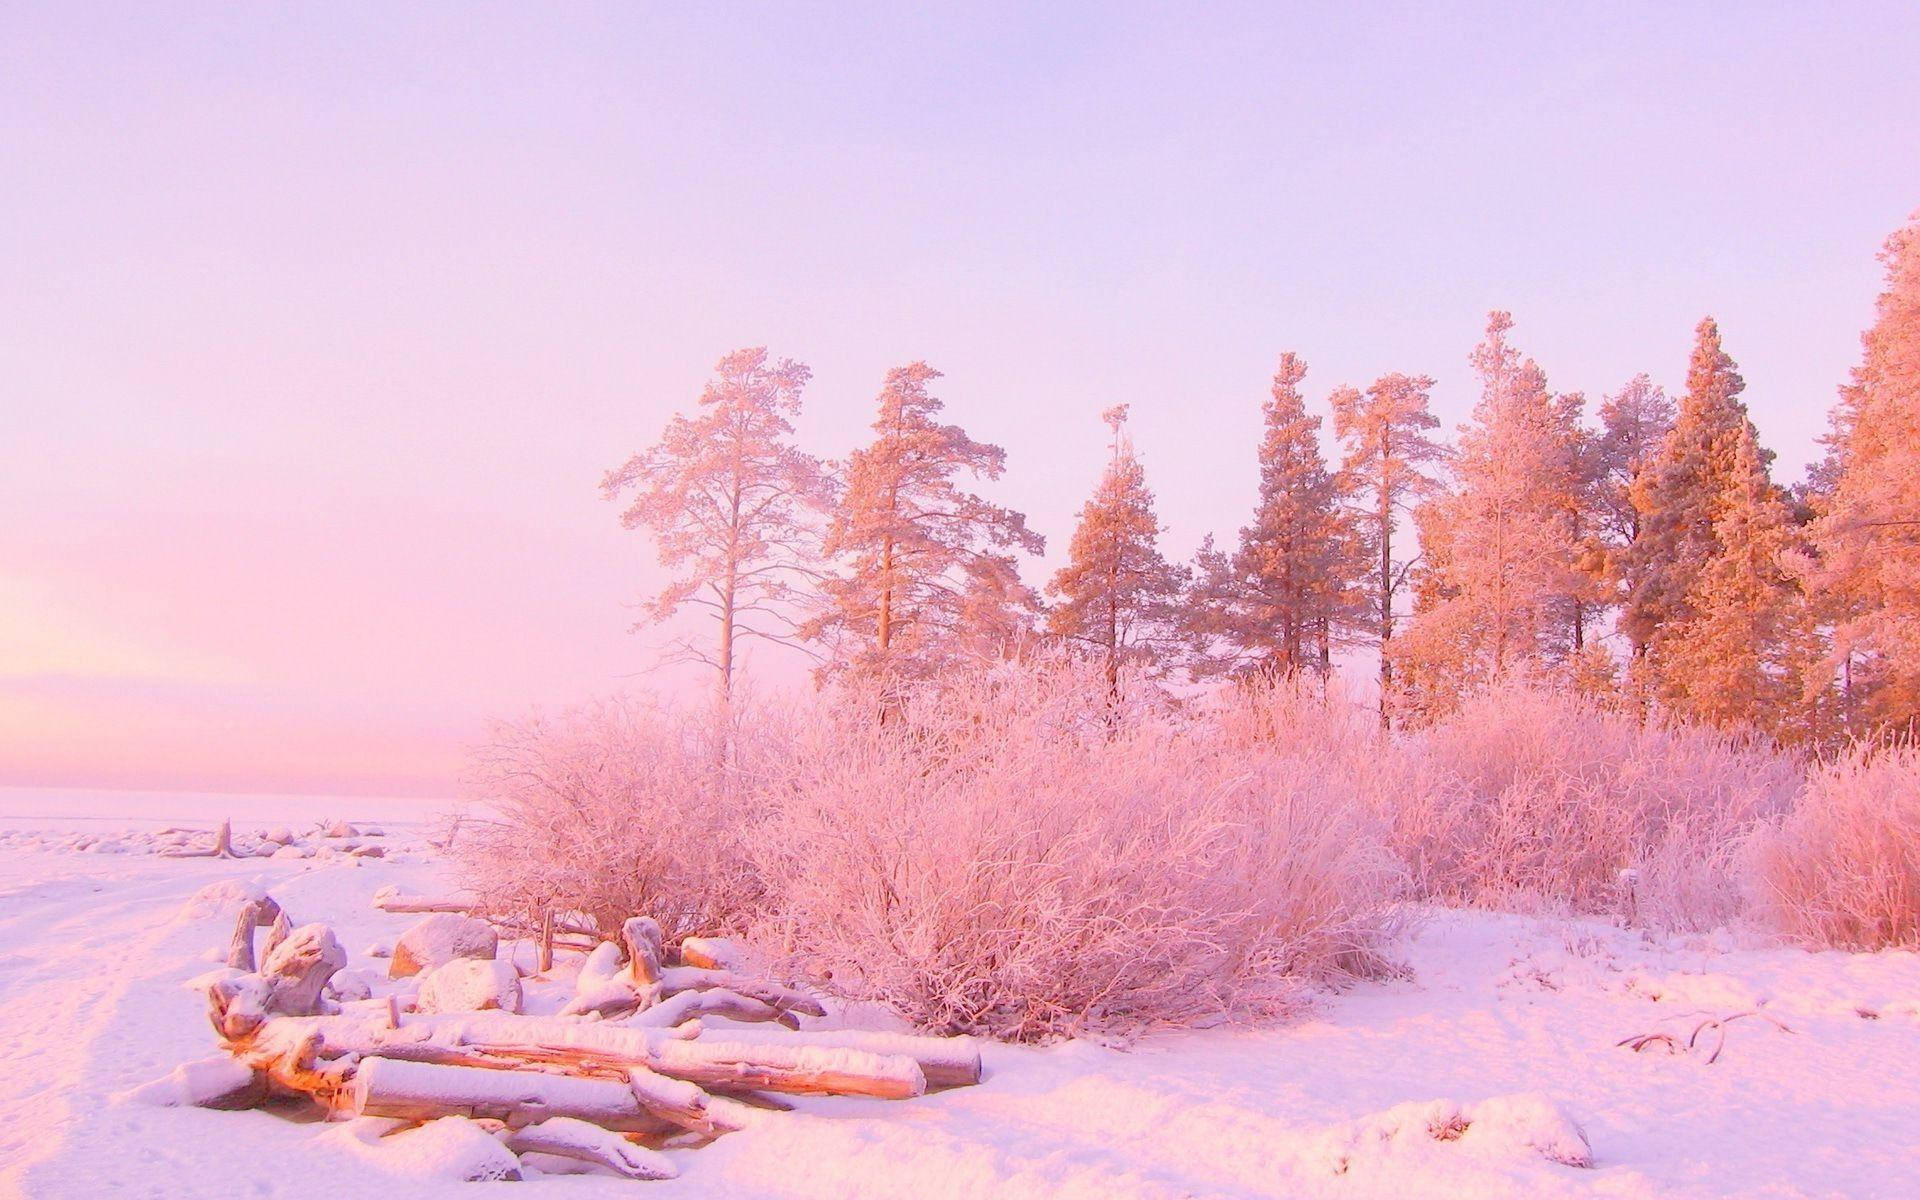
(798, 1070)
(682, 979)
(260, 911)
(415, 1091)
(685, 1006)
(499, 1038)
(216, 1082)
(675, 1100)
(222, 846)
(290, 983)
(945, 1061)
(391, 899)
(644, 946)
(569, 1137)
(717, 954)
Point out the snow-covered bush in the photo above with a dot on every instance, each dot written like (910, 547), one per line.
(616, 809)
(1842, 868)
(1007, 854)
(1527, 796)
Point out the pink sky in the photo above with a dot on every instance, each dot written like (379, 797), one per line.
(319, 325)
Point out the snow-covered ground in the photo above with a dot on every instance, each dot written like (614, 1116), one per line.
(1474, 1075)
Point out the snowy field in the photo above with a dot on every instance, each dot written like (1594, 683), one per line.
(1485, 1071)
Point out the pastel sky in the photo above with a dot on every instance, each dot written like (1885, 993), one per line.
(319, 323)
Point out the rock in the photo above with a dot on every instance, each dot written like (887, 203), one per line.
(351, 985)
(279, 835)
(439, 939)
(470, 985)
(340, 829)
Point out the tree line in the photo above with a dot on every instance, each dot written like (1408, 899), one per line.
(1645, 555)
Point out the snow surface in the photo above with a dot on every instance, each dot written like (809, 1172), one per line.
(1486, 1071)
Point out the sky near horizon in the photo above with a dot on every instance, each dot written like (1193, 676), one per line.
(320, 323)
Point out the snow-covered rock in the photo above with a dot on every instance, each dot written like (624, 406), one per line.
(452, 1149)
(470, 985)
(439, 939)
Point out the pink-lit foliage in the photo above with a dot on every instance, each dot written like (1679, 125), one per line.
(619, 808)
(1010, 851)
(1842, 869)
(1007, 855)
(1528, 797)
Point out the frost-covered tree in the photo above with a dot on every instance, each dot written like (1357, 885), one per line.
(1680, 496)
(1276, 602)
(1737, 658)
(1499, 586)
(1117, 595)
(927, 574)
(1389, 460)
(733, 506)
(1634, 422)
(1866, 573)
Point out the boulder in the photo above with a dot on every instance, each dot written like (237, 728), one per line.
(470, 985)
(440, 939)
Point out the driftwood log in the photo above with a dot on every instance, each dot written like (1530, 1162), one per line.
(628, 1061)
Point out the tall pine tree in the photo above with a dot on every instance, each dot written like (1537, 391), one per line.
(734, 507)
(1117, 595)
(1867, 536)
(1389, 460)
(1502, 572)
(928, 576)
(1634, 422)
(1737, 658)
(1276, 603)
(1679, 497)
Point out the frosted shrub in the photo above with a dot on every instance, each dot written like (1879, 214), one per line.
(1527, 796)
(617, 809)
(1005, 855)
(1842, 869)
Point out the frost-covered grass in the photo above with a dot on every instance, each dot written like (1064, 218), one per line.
(1843, 867)
(1527, 796)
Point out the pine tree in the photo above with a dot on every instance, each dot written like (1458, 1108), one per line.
(928, 574)
(1501, 580)
(1388, 464)
(1634, 423)
(1276, 603)
(1737, 658)
(1680, 496)
(733, 505)
(1866, 574)
(1117, 595)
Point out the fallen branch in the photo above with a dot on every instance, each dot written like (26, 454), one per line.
(1718, 1026)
